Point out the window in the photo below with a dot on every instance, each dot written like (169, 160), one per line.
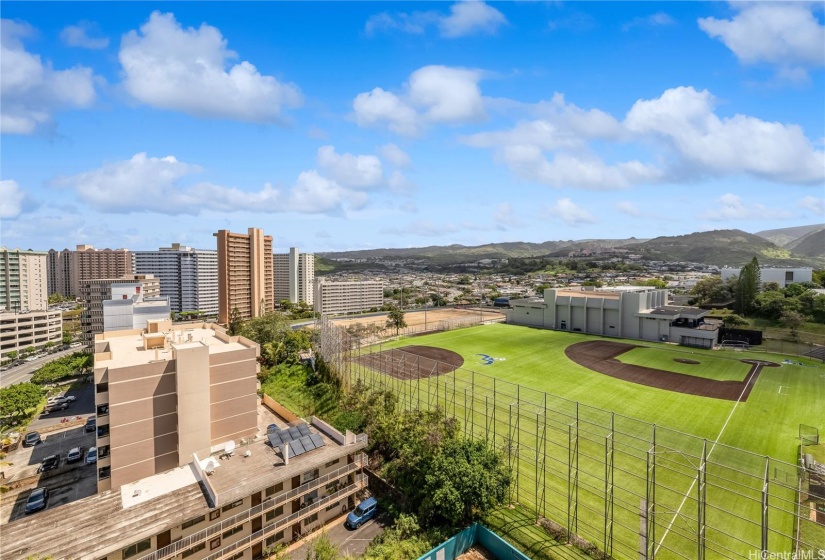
(102, 387)
(193, 550)
(332, 506)
(233, 505)
(104, 472)
(103, 431)
(311, 519)
(270, 515)
(232, 531)
(137, 548)
(310, 475)
(328, 465)
(103, 410)
(237, 556)
(214, 543)
(195, 521)
(273, 489)
(213, 515)
(274, 538)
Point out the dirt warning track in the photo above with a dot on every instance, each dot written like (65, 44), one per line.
(600, 356)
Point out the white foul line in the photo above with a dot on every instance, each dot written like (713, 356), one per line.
(692, 484)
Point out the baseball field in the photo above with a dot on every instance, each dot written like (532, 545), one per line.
(700, 445)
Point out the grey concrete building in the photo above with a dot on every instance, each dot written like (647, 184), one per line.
(188, 277)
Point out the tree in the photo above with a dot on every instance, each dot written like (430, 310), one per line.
(285, 305)
(12, 355)
(771, 305)
(396, 319)
(771, 287)
(67, 337)
(266, 329)
(235, 322)
(653, 282)
(29, 350)
(540, 289)
(49, 345)
(593, 283)
(19, 398)
(466, 479)
(747, 287)
(708, 289)
(322, 548)
(791, 320)
(794, 290)
(733, 320)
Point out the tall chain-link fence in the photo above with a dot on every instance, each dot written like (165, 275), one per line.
(626, 487)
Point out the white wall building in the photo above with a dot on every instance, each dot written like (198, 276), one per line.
(338, 298)
(188, 277)
(628, 312)
(129, 309)
(33, 329)
(23, 280)
(782, 276)
(294, 276)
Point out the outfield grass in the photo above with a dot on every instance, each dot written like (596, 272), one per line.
(765, 425)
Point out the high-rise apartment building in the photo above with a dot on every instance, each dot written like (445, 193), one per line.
(95, 292)
(67, 269)
(165, 393)
(339, 298)
(294, 276)
(23, 280)
(128, 308)
(245, 274)
(188, 277)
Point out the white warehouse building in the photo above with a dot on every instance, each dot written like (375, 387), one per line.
(782, 276)
(629, 312)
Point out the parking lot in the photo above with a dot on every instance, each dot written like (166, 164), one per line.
(67, 483)
(83, 406)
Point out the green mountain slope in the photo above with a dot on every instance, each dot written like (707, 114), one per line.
(784, 236)
(729, 247)
(812, 245)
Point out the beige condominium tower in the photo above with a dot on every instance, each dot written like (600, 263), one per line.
(245, 274)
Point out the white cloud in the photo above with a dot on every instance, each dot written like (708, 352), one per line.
(433, 94)
(78, 36)
(169, 67)
(471, 17)
(684, 118)
(31, 90)
(629, 208)
(164, 186)
(351, 171)
(465, 18)
(395, 155)
(731, 207)
(427, 228)
(786, 34)
(812, 203)
(11, 199)
(569, 212)
(505, 215)
(653, 20)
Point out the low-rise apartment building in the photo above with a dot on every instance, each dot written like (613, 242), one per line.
(215, 508)
(339, 298)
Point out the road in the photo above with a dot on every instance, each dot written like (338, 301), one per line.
(353, 543)
(22, 373)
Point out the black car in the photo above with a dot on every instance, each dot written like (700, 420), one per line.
(32, 438)
(90, 424)
(49, 463)
(38, 499)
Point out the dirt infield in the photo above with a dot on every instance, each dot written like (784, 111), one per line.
(413, 362)
(686, 361)
(600, 356)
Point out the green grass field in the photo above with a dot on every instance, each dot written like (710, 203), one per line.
(765, 425)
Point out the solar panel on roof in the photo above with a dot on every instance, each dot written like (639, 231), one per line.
(303, 429)
(275, 440)
(317, 440)
(308, 444)
(296, 446)
(295, 433)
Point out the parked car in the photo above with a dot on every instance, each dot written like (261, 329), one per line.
(32, 438)
(57, 399)
(74, 455)
(38, 499)
(365, 511)
(69, 398)
(90, 424)
(49, 463)
(91, 456)
(59, 405)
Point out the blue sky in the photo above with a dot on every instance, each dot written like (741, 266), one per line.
(348, 125)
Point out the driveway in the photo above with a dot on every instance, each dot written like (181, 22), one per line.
(350, 542)
(84, 406)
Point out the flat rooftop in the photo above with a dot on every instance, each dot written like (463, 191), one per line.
(98, 525)
(127, 349)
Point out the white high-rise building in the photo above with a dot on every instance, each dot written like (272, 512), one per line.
(294, 276)
(23, 280)
(339, 298)
(188, 277)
